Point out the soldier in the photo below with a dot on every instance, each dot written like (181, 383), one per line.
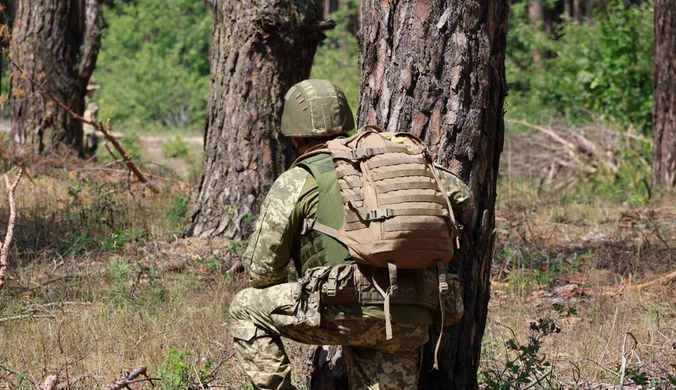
(314, 112)
(89, 140)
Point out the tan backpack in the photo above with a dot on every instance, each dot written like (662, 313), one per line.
(396, 212)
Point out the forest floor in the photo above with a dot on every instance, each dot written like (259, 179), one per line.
(583, 290)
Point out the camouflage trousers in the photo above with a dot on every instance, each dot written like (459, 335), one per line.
(261, 317)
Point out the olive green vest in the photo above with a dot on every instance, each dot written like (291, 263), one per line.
(318, 249)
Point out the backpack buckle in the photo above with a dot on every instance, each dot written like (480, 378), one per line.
(359, 154)
(331, 284)
(379, 214)
(307, 225)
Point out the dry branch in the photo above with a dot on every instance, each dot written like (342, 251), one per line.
(4, 246)
(49, 383)
(661, 281)
(561, 156)
(107, 133)
(131, 378)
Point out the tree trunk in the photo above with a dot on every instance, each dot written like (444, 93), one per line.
(259, 50)
(536, 11)
(435, 68)
(664, 95)
(56, 42)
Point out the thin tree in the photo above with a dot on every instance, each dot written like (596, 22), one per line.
(259, 50)
(664, 95)
(436, 69)
(55, 42)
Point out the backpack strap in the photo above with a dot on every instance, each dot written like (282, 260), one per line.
(453, 222)
(391, 291)
(443, 290)
(312, 224)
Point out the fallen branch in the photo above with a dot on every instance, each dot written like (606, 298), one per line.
(49, 383)
(131, 378)
(107, 133)
(21, 317)
(4, 246)
(661, 281)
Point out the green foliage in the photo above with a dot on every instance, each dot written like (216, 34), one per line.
(629, 184)
(120, 277)
(603, 68)
(176, 148)
(337, 59)
(525, 366)
(116, 240)
(74, 244)
(239, 246)
(179, 208)
(178, 373)
(154, 62)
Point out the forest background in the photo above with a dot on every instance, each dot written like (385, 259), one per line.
(101, 284)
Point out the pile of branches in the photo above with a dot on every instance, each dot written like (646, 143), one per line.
(560, 157)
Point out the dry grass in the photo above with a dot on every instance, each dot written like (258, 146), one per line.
(100, 285)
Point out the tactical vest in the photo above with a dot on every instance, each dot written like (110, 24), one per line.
(318, 249)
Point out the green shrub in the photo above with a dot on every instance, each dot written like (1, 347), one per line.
(179, 208)
(603, 68)
(154, 62)
(176, 148)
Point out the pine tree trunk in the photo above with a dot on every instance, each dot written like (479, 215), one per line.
(259, 50)
(47, 41)
(436, 68)
(664, 95)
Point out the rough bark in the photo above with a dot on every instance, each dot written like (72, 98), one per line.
(664, 95)
(259, 50)
(435, 68)
(55, 42)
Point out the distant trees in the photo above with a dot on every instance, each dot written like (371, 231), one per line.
(436, 69)
(259, 50)
(154, 63)
(56, 43)
(664, 91)
(596, 62)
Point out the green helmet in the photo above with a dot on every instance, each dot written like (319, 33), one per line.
(316, 108)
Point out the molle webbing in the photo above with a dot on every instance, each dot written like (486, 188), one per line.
(418, 287)
(391, 195)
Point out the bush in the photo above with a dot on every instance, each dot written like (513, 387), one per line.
(176, 148)
(154, 62)
(603, 68)
(337, 59)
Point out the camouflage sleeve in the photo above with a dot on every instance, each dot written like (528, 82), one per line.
(456, 190)
(270, 245)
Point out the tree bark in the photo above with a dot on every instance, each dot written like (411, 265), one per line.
(56, 42)
(259, 50)
(435, 68)
(664, 95)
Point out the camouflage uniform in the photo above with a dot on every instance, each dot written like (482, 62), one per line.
(272, 308)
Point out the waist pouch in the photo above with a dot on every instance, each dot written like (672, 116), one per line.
(453, 306)
(352, 283)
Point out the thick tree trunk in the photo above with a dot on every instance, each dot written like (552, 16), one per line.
(259, 50)
(664, 95)
(435, 68)
(56, 42)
